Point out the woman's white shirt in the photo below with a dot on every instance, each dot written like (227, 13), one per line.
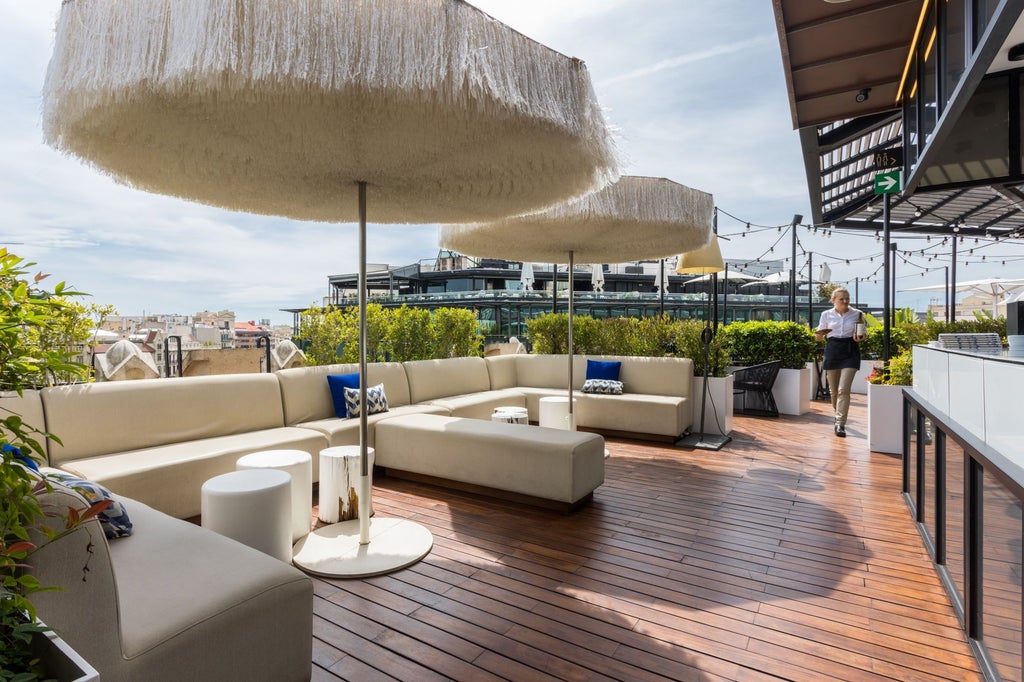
(843, 326)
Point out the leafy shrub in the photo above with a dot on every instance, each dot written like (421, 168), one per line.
(760, 341)
(689, 343)
(898, 372)
(455, 333)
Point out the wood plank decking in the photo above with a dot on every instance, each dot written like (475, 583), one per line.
(787, 555)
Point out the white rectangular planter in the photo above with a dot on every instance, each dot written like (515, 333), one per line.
(792, 391)
(885, 418)
(719, 404)
(63, 663)
(860, 381)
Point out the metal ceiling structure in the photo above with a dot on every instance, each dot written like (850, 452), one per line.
(845, 63)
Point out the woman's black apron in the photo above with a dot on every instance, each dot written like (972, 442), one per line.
(841, 354)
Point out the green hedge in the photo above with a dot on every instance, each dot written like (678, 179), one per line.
(331, 335)
(760, 341)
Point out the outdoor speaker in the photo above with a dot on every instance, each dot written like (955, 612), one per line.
(1014, 318)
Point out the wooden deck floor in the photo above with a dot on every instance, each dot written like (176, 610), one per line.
(787, 555)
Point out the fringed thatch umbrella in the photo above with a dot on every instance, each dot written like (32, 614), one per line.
(299, 108)
(635, 218)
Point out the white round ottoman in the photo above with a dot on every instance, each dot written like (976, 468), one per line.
(510, 415)
(339, 483)
(554, 413)
(299, 464)
(252, 506)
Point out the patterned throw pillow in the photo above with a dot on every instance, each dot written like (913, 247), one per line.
(602, 386)
(114, 519)
(376, 400)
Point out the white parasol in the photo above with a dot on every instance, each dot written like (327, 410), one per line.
(526, 277)
(636, 218)
(994, 287)
(597, 276)
(301, 108)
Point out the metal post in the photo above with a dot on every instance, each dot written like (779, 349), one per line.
(892, 291)
(571, 425)
(947, 294)
(810, 287)
(885, 278)
(792, 272)
(725, 297)
(952, 278)
(364, 457)
(662, 287)
(554, 288)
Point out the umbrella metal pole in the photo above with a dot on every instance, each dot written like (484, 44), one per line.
(571, 422)
(364, 473)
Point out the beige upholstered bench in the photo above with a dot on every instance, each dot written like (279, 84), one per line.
(547, 467)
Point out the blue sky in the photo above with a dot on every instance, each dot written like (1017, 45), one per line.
(694, 88)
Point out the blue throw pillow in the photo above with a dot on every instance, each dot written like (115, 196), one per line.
(606, 386)
(598, 369)
(338, 384)
(376, 400)
(114, 519)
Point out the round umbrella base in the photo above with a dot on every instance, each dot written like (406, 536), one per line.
(334, 551)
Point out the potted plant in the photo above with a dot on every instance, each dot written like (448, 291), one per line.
(757, 342)
(27, 314)
(689, 343)
(885, 403)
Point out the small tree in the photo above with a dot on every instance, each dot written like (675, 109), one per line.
(455, 333)
(409, 336)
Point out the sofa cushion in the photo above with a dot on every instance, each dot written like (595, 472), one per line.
(306, 396)
(28, 406)
(481, 405)
(600, 369)
(502, 371)
(97, 419)
(602, 386)
(432, 379)
(338, 383)
(659, 415)
(170, 477)
(549, 371)
(346, 431)
(376, 401)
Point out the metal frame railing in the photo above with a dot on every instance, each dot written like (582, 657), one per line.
(967, 502)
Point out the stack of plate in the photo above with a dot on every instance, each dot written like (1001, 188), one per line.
(976, 343)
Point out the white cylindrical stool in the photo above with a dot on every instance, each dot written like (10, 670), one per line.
(511, 415)
(339, 483)
(252, 506)
(299, 464)
(554, 413)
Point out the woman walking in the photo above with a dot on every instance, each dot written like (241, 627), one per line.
(843, 329)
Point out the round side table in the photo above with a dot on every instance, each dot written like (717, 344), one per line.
(252, 506)
(299, 464)
(511, 415)
(339, 483)
(554, 413)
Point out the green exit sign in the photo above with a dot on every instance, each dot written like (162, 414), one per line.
(887, 183)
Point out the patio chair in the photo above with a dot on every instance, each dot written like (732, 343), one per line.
(754, 384)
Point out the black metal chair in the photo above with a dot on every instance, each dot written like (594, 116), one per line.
(754, 384)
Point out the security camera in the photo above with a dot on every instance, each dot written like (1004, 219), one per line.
(863, 95)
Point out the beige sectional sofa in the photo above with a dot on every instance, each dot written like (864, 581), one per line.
(154, 442)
